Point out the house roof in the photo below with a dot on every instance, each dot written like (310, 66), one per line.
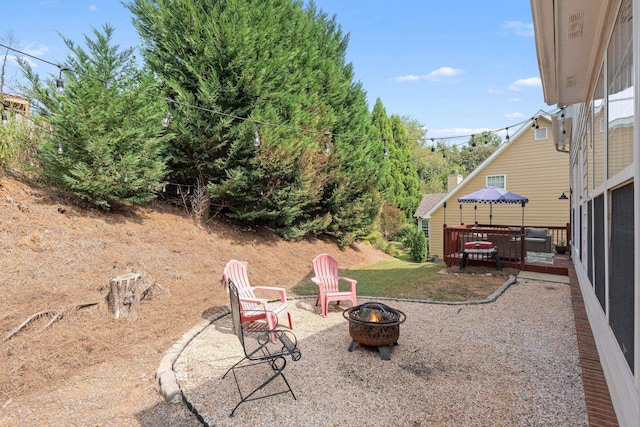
(540, 114)
(568, 43)
(427, 202)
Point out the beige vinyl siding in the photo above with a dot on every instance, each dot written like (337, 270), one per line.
(533, 169)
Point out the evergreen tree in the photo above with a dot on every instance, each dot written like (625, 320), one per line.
(106, 141)
(249, 65)
(401, 186)
(418, 250)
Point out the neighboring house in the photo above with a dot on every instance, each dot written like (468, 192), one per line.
(428, 201)
(14, 107)
(528, 165)
(589, 59)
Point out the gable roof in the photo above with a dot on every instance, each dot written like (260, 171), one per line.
(541, 114)
(427, 202)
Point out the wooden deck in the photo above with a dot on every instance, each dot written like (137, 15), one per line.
(559, 267)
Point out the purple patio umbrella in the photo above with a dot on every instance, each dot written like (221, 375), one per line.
(493, 195)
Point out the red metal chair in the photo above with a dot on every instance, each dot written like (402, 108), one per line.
(327, 278)
(255, 308)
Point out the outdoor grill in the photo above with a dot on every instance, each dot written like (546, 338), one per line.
(376, 325)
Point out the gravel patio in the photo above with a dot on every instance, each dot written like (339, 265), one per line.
(512, 362)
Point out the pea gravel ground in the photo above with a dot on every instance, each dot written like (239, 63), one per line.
(512, 362)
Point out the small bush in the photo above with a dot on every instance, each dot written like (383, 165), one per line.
(405, 236)
(419, 247)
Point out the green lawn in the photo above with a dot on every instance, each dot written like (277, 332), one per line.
(405, 279)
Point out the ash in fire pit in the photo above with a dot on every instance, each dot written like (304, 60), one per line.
(374, 324)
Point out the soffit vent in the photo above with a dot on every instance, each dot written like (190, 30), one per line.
(576, 25)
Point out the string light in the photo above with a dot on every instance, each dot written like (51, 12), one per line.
(327, 147)
(60, 150)
(60, 82)
(256, 137)
(167, 115)
(166, 119)
(60, 87)
(5, 119)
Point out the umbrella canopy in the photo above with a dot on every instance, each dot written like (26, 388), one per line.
(493, 195)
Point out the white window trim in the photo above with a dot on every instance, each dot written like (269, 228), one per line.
(546, 133)
(504, 179)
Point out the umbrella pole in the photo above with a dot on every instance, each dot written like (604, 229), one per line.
(490, 213)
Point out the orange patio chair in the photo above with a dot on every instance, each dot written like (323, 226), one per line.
(255, 308)
(326, 277)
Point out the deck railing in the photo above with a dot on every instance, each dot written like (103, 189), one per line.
(507, 238)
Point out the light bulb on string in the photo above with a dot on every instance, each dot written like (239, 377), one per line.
(5, 119)
(327, 145)
(166, 119)
(60, 150)
(60, 82)
(385, 152)
(126, 177)
(256, 138)
(507, 138)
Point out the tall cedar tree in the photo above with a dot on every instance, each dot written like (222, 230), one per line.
(401, 186)
(271, 62)
(106, 142)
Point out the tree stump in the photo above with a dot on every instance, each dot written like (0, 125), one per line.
(125, 293)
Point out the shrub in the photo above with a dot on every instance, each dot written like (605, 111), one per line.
(419, 247)
(405, 236)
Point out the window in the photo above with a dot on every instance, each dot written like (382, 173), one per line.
(541, 133)
(498, 181)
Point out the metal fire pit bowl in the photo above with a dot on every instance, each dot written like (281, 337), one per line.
(381, 333)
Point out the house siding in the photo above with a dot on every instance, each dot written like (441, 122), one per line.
(604, 170)
(533, 168)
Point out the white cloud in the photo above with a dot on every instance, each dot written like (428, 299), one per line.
(525, 83)
(435, 75)
(518, 28)
(496, 91)
(514, 99)
(513, 116)
(93, 7)
(407, 78)
(442, 72)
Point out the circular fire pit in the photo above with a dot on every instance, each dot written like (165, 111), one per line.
(374, 324)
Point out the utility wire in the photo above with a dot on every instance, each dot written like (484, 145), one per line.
(263, 123)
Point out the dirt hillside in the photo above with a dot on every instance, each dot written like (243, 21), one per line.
(87, 368)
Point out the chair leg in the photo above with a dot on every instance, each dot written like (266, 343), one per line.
(290, 323)
(277, 372)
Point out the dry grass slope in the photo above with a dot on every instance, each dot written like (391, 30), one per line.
(86, 368)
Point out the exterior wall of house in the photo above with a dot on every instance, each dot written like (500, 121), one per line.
(604, 170)
(532, 168)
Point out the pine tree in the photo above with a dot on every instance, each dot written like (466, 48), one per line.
(271, 69)
(399, 179)
(107, 142)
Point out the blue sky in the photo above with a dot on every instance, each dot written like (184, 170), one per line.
(458, 68)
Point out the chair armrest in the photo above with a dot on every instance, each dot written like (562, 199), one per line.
(351, 282)
(260, 301)
(281, 291)
(316, 280)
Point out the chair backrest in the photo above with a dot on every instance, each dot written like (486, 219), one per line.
(236, 271)
(325, 268)
(236, 317)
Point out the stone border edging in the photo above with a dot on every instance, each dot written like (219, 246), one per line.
(170, 390)
(165, 375)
